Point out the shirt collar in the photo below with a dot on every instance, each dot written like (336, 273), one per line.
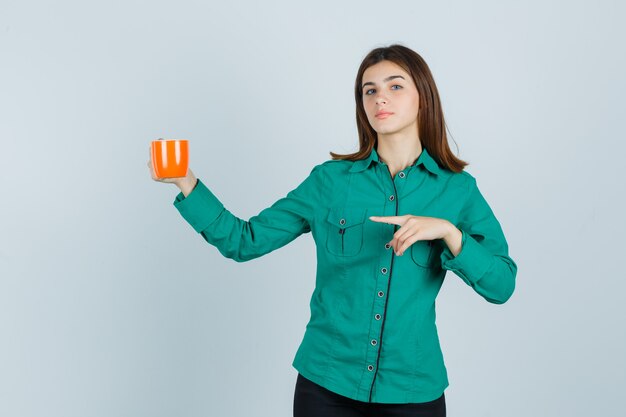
(424, 158)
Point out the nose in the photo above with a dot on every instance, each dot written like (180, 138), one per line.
(380, 100)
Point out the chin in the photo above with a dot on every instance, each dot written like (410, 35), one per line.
(386, 131)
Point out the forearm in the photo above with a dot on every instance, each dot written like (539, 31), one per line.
(491, 274)
(242, 240)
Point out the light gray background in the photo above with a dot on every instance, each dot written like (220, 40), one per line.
(111, 304)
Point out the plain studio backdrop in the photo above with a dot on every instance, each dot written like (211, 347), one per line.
(112, 305)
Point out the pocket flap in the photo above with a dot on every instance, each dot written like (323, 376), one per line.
(345, 217)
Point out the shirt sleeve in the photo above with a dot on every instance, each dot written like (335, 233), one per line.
(483, 262)
(243, 240)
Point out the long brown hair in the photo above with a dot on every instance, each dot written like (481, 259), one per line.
(430, 124)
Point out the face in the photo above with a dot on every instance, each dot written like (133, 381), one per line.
(388, 88)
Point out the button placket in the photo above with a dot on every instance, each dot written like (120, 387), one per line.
(380, 299)
(376, 328)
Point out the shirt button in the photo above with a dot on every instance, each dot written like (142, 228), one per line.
(401, 174)
(387, 245)
(384, 270)
(370, 367)
(342, 222)
(391, 197)
(374, 342)
(377, 316)
(380, 293)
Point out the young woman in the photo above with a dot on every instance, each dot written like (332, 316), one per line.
(388, 221)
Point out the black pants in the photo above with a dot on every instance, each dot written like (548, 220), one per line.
(312, 400)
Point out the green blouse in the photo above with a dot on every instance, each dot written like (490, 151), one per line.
(372, 334)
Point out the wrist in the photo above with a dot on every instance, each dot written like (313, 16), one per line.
(187, 184)
(452, 232)
(453, 239)
(449, 230)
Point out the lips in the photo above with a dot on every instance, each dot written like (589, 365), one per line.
(383, 114)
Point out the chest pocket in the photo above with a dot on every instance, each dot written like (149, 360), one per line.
(426, 253)
(345, 230)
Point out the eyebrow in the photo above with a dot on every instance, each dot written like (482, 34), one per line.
(391, 77)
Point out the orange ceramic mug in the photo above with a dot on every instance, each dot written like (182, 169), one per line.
(170, 157)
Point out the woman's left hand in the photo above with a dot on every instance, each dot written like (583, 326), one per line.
(414, 228)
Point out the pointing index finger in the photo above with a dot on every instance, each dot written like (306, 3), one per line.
(385, 219)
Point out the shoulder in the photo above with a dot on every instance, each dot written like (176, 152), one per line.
(462, 181)
(332, 167)
(321, 172)
(468, 179)
(337, 164)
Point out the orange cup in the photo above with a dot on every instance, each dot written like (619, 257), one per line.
(170, 157)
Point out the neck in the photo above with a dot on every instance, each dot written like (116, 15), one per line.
(399, 155)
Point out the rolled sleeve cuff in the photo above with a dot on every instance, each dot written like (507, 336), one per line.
(200, 208)
(472, 261)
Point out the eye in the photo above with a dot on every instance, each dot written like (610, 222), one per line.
(367, 92)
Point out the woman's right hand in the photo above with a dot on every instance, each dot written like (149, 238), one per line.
(185, 183)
